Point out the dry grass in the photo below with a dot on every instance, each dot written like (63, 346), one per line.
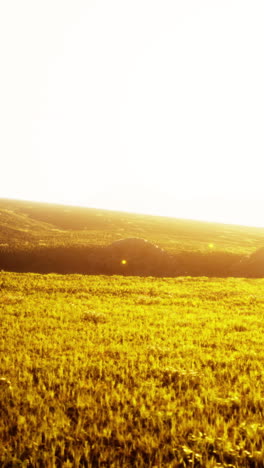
(140, 372)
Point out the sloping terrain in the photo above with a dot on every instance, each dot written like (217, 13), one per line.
(17, 229)
(46, 238)
(35, 223)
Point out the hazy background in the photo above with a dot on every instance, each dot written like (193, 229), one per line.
(146, 106)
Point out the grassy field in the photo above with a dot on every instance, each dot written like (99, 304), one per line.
(131, 372)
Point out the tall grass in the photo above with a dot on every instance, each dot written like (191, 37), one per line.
(121, 371)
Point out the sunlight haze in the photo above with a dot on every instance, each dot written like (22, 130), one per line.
(153, 107)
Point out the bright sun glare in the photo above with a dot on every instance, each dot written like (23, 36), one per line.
(145, 106)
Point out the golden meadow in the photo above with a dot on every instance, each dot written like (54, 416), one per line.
(112, 371)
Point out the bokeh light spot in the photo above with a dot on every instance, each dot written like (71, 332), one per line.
(123, 262)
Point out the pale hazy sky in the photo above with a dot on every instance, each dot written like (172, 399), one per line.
(152, 106)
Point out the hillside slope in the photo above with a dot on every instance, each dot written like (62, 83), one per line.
(44, 238)
(32, 224)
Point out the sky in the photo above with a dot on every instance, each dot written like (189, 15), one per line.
(147, 106)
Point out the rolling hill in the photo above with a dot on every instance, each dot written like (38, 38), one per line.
(56, 238)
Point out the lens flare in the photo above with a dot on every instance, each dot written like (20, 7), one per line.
(123, 262)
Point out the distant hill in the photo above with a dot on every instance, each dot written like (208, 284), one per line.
(47, 237)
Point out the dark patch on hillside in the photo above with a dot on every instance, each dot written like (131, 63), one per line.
(104, 260)
(44, 238)
(251, 265)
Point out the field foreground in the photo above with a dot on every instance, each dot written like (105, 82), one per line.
(131, 372)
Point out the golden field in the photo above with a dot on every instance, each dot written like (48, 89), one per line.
(112, 371)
